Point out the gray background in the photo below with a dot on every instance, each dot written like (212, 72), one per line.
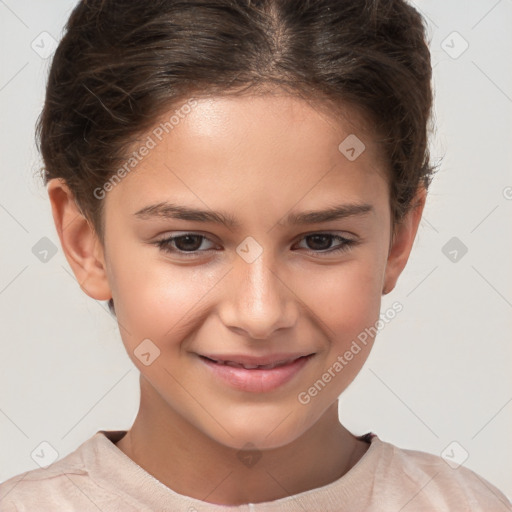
(439, 372)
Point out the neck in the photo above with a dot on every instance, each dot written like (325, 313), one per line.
(192, 464)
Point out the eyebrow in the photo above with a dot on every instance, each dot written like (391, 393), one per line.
(168, 210)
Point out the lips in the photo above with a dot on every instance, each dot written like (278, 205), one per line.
(255, 374)
(255, 363)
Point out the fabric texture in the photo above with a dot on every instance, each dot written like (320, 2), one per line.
(98, 476)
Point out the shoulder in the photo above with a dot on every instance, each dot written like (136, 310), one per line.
(65, 484)
(39, 489)
(428, 480)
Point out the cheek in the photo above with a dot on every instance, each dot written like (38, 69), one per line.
(155, 299)
(346, 298)
(346, 303)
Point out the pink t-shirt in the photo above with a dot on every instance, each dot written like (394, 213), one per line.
(98, 476)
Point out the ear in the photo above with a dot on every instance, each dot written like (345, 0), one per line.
(402, 241)
(79, 241)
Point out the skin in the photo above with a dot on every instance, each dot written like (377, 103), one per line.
(257, 158)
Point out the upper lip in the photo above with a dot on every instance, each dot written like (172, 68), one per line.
(244, 359)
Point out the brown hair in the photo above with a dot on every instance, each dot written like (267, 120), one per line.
(122, 64)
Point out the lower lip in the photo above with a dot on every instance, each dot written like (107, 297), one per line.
(256, 380)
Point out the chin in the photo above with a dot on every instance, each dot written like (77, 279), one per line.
(264, 432)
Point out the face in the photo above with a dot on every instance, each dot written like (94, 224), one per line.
(252, 280)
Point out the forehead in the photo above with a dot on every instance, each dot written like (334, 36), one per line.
(270, 148)
(266, 121)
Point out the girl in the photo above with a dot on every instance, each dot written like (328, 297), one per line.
(242, 181)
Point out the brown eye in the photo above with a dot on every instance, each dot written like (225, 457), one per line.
(188, 244)
(319, 243)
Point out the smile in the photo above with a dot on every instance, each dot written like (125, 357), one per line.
(252, 374)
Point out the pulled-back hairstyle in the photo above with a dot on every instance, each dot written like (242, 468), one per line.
(124, 63)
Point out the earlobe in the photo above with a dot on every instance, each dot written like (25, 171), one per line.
(403, 241)
(81, 246)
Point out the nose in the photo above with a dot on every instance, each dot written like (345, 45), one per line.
(258, 301)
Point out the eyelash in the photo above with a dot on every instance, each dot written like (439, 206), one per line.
(164, 244)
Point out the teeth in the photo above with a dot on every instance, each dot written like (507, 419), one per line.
(239, 365)
(253, 366)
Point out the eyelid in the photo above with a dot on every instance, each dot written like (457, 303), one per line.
(343, 234)
(346, 243)
(170, 238)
